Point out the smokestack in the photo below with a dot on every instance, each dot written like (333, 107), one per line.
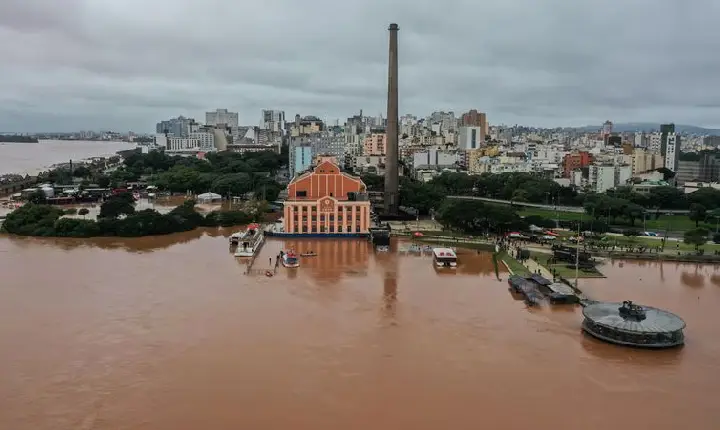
(391, 150)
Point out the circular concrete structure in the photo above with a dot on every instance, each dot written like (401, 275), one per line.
(633, 325)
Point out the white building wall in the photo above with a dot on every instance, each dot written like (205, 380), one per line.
(221, 116)
(670, 152)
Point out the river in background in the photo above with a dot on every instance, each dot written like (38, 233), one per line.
(32, 158)
(167, 333)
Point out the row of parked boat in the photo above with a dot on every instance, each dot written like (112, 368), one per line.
(535, 289)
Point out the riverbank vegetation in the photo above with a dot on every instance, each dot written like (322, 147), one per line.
(117, 218)
(250, 176)
(12, 138)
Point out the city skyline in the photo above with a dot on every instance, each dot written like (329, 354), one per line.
(77, 64)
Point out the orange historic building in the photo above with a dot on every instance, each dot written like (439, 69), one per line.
(327, 201)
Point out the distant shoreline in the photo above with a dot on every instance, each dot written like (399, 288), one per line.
(27, 158)
(17, 139)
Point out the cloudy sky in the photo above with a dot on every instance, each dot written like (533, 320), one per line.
(125, 64)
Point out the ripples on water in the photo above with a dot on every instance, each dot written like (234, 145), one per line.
(167, 333)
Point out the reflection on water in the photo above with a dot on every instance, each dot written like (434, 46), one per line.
(102, 335)
(130, 244)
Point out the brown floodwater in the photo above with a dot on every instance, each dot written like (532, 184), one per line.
(167, 333)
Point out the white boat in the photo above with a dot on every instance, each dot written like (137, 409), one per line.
(444, 257)
(236, 237)
(249, 242)
(290, 260)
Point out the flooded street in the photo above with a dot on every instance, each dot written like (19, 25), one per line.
(167, 333)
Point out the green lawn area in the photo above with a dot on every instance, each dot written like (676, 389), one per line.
(670, 246)
(670, 222)
(515, 266)
(561, 268)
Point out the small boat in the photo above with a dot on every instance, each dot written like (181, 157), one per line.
(290, 260)
(309, 254)
(444, 257)
(382, 248)
(269, 273)
(235, 238)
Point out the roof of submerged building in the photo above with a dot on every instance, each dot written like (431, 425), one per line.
(653, 320)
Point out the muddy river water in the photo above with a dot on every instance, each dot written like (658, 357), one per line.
(168, 333)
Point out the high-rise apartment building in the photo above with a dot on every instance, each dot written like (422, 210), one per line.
(576, 160)
(221, 117)
(670, 146)
(177, 127)
(273, 120)
(471, 138)
(375, 144)
(473, 118)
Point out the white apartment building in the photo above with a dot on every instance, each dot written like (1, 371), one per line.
(602, 178)
(435, 158)
(471, 138)
(221, 117)
(605, 177)
(174, 144)
(655, 143)
(672, 151)
(206, 139)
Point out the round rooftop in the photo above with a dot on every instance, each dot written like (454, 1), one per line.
(631, 324)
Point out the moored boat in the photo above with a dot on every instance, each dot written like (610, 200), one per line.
(236, 237)
(290, 260)
(309, 254)
(444, 257)
(250, 241)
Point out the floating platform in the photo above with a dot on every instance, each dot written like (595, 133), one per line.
(633, 325)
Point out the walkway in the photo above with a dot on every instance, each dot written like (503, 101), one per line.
(534, 266)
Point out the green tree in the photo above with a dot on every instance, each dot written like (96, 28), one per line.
(32, 220)
(422, 197)
(668, 198)
(696, 237)
(697, 213)
(235, 184)
(373, 182)
(81, 172)
(102, 181)
(707, 196)
(116, 205)
(38, 197)
(632, 211)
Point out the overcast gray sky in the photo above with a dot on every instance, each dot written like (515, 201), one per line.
(126, 64)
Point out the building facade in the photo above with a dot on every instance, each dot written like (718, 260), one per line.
(301, 158)
(221, 117)
(375, 144)
(576, 160)
(471, 138)
(273, 120)
(178, 127)
(671, 152)
(473, 118)
(326, 201)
